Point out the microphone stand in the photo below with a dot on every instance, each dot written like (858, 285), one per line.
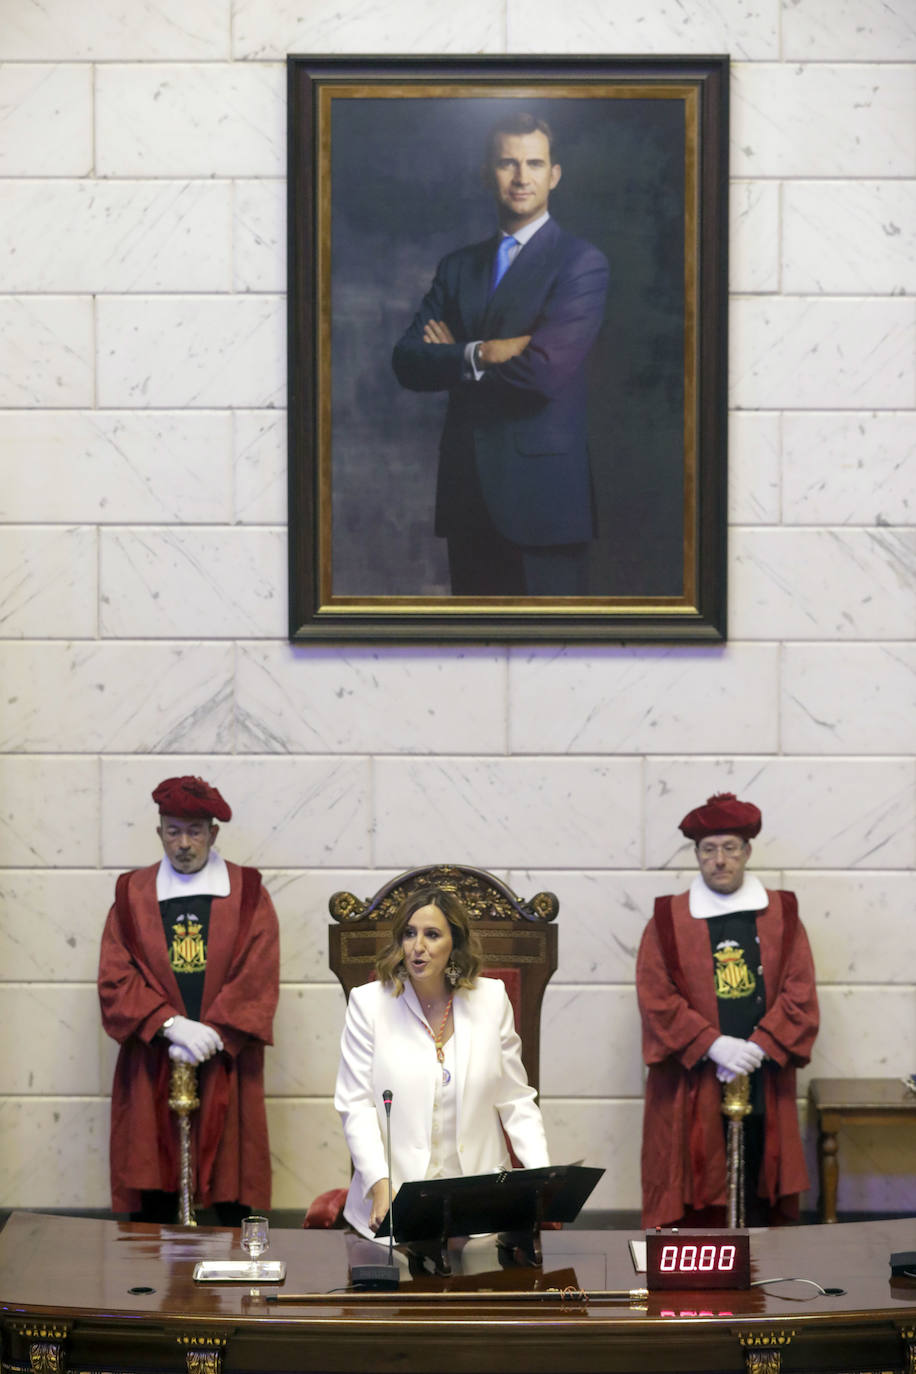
(369, 1276)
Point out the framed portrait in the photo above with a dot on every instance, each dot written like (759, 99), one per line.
(507, 348)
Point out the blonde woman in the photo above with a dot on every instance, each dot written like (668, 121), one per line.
(443, 1042)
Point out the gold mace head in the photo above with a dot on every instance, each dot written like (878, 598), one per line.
(183, 1097)
(736, 1098)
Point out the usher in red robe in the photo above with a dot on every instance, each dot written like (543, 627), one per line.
(683, 1147)
(138, 991)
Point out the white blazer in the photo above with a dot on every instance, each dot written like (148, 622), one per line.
(384, 1046)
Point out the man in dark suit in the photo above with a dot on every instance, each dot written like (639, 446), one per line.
(506, 329)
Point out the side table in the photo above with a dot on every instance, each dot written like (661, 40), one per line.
(842, 1102)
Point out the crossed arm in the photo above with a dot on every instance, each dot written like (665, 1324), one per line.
(492, 351)
(543, 361)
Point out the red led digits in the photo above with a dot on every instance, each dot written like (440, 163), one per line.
(694, 1259)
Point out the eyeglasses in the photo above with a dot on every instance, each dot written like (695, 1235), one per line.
(732, 849)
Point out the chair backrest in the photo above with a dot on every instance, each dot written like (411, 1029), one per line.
(519, 942)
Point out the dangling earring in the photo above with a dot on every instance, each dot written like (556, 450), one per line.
(452, 972)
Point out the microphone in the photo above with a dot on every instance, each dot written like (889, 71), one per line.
(386, 1098)
(381, 1275)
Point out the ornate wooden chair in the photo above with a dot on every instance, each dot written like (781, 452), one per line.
(519, 944)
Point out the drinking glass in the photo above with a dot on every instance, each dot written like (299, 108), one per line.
(255, 1240)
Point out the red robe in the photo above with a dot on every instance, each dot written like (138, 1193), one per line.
(138, 991)
(683, 1148)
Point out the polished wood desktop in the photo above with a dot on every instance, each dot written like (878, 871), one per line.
(86, 1295)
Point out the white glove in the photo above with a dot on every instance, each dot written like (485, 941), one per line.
(183, 1056)
(735, 1056)
(200, 1041)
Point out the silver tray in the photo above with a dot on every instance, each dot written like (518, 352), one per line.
(239, 1271)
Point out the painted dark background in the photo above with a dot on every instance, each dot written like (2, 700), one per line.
(406, 189)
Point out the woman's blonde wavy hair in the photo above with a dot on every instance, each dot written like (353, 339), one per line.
(466, 951)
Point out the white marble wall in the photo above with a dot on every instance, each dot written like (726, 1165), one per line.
(142, 567)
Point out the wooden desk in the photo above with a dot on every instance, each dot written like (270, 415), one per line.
(851, 1102)
(97, 1295)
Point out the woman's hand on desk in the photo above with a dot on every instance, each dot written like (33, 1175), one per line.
(379, 1195)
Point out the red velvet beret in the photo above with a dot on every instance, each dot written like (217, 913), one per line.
(191, 797)
(722, 814)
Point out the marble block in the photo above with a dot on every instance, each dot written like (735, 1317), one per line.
(301, 901)
(178, 352)
(259, 452)
(601, 919)
(859, 925)
(190, 119)
(107, 30)
(753, 253)
(754, 454)
(645, 700)
(590, 1042)
(849, 30)
(48, 582)
(259, 235)
(865, 1032)
(604, 1134)
(100, 695)
(809, 819)
(54, 1151)
(94, 235)
(286, 813)
(308, 1154)
(109, 467)
(49, 813)
(496, 812)
(800, 353)
(51, 923)
(45, 118)
(745, 29)
(849, 238)
(307, 1028)
(271, 28)
(46, 351)
(853, 469)
(50, 1039)
(822, 119)
(809, 584)
(191, 582)
(849, 699)
(368, 700)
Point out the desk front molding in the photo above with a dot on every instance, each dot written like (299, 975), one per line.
(94, 1296)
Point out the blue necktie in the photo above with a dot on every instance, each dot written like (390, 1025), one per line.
(501, 261)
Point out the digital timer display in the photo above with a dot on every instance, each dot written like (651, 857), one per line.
(698, 1259)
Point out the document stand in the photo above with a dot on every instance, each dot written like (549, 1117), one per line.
(515, 1204)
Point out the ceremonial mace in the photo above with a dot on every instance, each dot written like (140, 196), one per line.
(183, 1100)
(736, 1105)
